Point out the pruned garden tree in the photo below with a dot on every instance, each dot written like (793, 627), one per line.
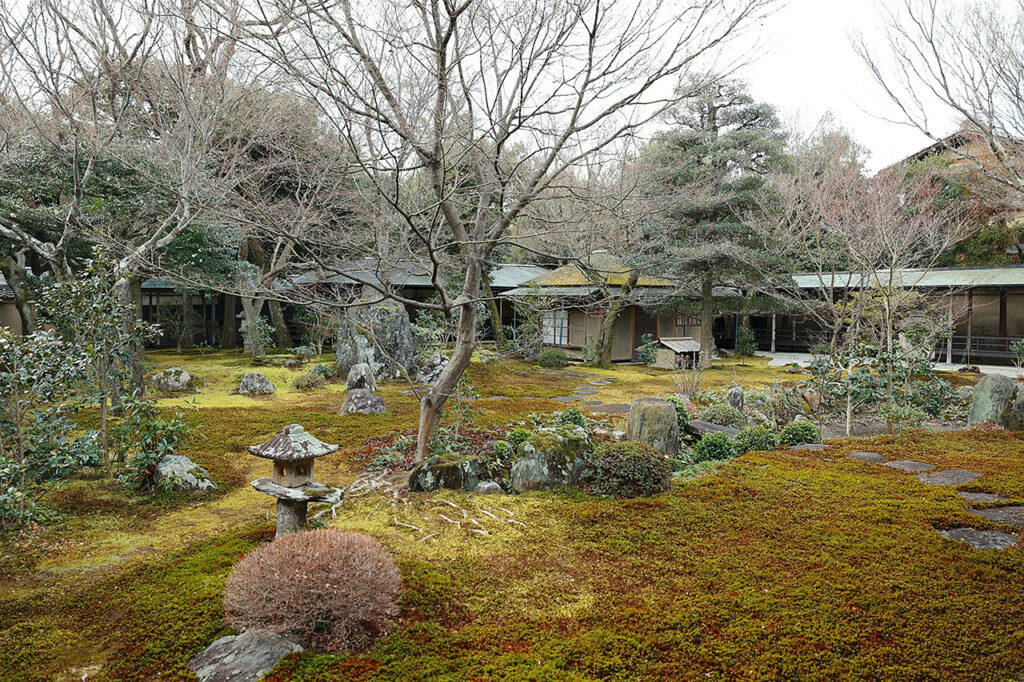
(706, 174)
(461, 115)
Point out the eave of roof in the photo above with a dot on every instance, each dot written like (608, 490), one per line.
(918, 278)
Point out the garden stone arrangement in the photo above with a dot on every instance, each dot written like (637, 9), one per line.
(242, 658)
(998, 399)
(977, 538)
(178, 472)
(379, 335)
(170, 380)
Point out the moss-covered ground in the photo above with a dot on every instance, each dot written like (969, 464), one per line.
(781, 565)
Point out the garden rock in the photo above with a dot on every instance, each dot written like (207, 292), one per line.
(254, 383)
(430, 372)
(654, 421)
(181, 473)
(432, 475)
(170, 380)
(813, 447)
(980, 539)
(488, 488)
(551, 458)
(997, 399)
(293, 364)
(360, 376)
(378, 334)
(242, 658)
(948, 478)
(734, 397)
(362, 400)
(812, 398)
(698, 427)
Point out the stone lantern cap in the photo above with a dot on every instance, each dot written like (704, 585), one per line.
(293, 444)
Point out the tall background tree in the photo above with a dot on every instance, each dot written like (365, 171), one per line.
(706, 173)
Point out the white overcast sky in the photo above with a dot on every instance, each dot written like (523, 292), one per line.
(807, 67)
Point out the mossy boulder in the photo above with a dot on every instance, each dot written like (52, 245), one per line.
(170, 380)
(999, 399)
(378, 334)
(551, 458)
(178, 472)
(436, 473)
(654, 421)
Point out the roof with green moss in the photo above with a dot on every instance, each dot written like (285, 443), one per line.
(603, 267)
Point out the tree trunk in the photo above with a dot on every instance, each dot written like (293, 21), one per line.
(707, 319)
(605, 337)
(284, 339)
(229, 330)
(432, 404)
(492, 309)
(15, 276)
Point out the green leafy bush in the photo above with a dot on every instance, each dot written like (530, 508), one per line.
(310, 381)
(517, 437)
(648, 350)
(143, 437)
(754, 438)
(746, 344)
(902, 416)
(798, 433)
(322, 370)
(627, 469)
(723, 415)
(682, 414)
(715, 445)
(304, 352)
(553, 358)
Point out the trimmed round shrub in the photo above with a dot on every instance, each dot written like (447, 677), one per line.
(333, 588)
(553, 358)
(682, 414)
(627, 469)
(754, 438)
(322, 370)
(310, 381)
(798, 433)
(723, 415)
(714, 445)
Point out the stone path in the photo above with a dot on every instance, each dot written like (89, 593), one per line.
(948, 478)
(614, 408)
(981, 497)
(975, 537)
(814, 447)
(872, 457)
(1010, 516)
(909, 465)
(980, 539)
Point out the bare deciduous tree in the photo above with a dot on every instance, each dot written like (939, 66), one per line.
(968, 57)
(462, 115)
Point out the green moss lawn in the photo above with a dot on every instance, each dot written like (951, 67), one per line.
(780, 565)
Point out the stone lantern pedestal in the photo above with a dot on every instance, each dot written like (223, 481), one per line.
(293, 451)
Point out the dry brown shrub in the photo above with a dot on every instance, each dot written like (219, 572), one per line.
(333, 588)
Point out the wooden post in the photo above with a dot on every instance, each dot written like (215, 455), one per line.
(773, 333)
(1002, 318)
(949, 341)
(970, 325)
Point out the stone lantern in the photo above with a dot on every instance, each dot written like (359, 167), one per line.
(293, 451)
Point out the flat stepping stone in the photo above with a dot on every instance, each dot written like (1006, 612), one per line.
(909, 465)
(948, 478)
(814, 447)
(980, 539)
(592, 402)
(567, 398)
(1011, 516)
(981, 497)
(498, 397)
(872, 457)
(614, 408)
